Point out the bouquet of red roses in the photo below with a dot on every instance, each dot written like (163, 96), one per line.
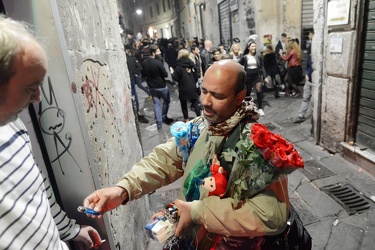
(261, 156)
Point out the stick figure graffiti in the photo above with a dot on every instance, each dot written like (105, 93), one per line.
(52, 121)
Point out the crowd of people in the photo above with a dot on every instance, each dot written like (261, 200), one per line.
(280, 69)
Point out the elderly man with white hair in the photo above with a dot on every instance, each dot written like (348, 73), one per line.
(30, 218)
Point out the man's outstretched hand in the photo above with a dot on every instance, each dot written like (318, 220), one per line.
(105, 199)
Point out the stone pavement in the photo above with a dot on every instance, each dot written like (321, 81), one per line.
(311, 189)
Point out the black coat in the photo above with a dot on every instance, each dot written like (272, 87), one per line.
(134, 67)
(184, 75)
(279, 47)
(154, 71)
(270, 64)
(170, 57)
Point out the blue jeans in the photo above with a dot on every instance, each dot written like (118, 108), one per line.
(157, 95)
(138, 81)
(134, 93)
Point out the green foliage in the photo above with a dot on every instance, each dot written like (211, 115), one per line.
(248, 171)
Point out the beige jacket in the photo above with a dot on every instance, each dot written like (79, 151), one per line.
(264, 214)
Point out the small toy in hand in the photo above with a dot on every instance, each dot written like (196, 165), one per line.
(217, 183)
(163, 223)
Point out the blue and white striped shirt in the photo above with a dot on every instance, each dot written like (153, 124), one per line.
(26, 221)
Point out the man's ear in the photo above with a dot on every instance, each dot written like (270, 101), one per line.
(240, 96)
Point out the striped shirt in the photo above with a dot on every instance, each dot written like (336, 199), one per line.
(26, 221)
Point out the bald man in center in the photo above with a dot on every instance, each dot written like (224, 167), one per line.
(208, 221)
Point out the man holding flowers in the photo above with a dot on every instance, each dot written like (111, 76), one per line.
(251, 208)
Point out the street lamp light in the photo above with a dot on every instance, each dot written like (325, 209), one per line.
(139, 13)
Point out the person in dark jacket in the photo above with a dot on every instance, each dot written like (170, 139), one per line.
(270, 65)
(281, 45)
(137, 70)
(170, 56)
(206, 55)
(282, 69)
(184, 75)
(155, 74)
(133, 69)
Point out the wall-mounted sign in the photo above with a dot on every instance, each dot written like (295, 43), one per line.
(338, 12)
(267, 39)
(233, 5)
(335, 43)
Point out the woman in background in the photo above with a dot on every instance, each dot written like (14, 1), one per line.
(184, 75)
(294, 58)
(253, 64)
(270, 65)
(236, 52)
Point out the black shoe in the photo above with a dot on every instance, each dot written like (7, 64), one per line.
(277, 96)
(142, 119)
(299, 119)
(168, 121)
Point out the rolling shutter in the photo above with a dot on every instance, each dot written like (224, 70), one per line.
(224, 19)
(366, 114)
(307, 25)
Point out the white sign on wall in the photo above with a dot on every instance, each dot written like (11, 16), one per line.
(338, 12)
(233, 5)
(335, 43)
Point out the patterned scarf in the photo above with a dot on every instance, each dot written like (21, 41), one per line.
(219, 132)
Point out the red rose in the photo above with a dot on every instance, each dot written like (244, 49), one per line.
(295, 160)
(284, 145)
(278, 138)
(280, 157)
(261, 139)
(267, 153)
(256, 127)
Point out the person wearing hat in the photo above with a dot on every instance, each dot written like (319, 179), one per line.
(236, 40)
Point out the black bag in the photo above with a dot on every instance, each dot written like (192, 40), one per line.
(295, 236)
(282, 69)
(301, 75)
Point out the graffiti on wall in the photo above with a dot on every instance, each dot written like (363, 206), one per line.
(250, 17)
(93, 86)
(52, 122)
